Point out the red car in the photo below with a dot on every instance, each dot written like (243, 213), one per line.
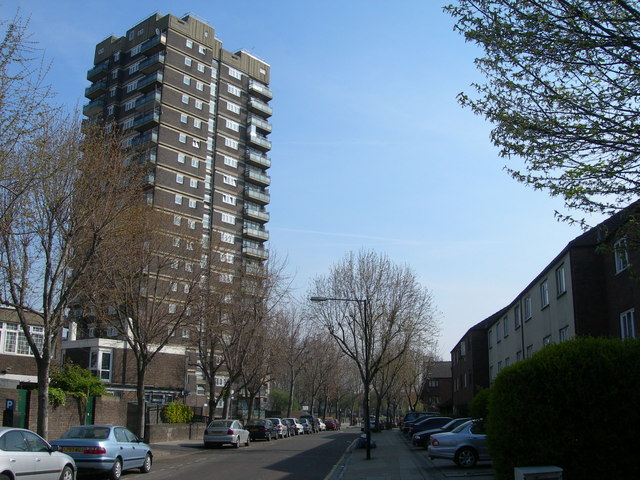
(332, 423)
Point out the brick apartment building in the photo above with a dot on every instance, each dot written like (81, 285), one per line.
(198, 116)
(589, 289)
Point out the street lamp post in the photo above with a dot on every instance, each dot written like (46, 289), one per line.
(366, 380)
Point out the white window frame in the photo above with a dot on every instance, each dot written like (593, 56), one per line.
(232, 107)
(231, 143)
(621, 255)
(231, 125)
(233, 90)
(235, 73)
(628, 324)
(561, 281)
(229, 180)
(230, 199)
(544, 293)
(228, 218)
(179, 178)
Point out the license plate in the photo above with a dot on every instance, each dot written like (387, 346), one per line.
(217, 433)
(254, 430)
(73, 449)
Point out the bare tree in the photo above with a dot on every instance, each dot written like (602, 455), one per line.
(259, 289)
(320, 364)
(75, 202)
(24, 99)
(290, 325)
(415, 375)
(147, 285)
(375, 311)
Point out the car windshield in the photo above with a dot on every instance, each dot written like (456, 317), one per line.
(452, 424)
(274, 420)
(461, 427)
(94, 433)
(220, 423)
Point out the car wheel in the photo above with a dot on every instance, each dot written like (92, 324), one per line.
(466, 457)
(116, 470)
(248, 442)
(4, 477)
(146, 466)
(268, 437)
(236, 444)
(67, 473)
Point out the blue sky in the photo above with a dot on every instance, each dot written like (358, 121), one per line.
(370, 148)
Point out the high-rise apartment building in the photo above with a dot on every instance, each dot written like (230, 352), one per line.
(199, 117)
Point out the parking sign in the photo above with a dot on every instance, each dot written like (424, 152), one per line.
(9, 404)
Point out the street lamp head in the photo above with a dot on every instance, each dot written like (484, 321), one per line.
(318, 299)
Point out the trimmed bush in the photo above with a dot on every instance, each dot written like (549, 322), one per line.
(176, 413)
(574, 405)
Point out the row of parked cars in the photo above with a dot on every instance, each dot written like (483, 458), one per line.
(232, 432)
(462, 440)
(88, 449)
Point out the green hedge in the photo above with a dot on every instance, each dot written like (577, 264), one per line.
(176, 413)
(575, 405)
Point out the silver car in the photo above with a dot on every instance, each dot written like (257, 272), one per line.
(105, 449)
(23, 454)
(219, 432)
(465, 445)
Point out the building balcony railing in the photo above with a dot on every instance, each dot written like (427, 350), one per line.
(92, 108)
(258, 158)
(154, 44)
(149, 82)
(258, 176)
(260, 141)
(97, 72)
(147, 137)
(259, 234)
(256, 213)
(260, 253)
(259, 106)
(95, 90)
(145, 122)
(151, 97)
(260, 123)
(152, 63)
(261, 196)
(260, 89)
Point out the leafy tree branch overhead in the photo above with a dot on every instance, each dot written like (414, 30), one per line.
(562, 92)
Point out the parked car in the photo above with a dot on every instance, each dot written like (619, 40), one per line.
(412, 416)
(313, 420)
(306, 425)
(281, 429)
(406, 425)
(105, 449)
(421, 439)
(263, 429)
(295, 426)
(465, 445)
(219, 432)
(21, 450)
(427, 423)
(321, 425)
(332, 423)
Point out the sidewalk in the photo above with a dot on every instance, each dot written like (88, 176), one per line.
(392, 459)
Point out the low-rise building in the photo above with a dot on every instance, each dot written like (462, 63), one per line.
(590, 288)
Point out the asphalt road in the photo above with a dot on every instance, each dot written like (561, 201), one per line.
(304, 457)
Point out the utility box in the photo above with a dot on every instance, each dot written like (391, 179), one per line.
(538, 473)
